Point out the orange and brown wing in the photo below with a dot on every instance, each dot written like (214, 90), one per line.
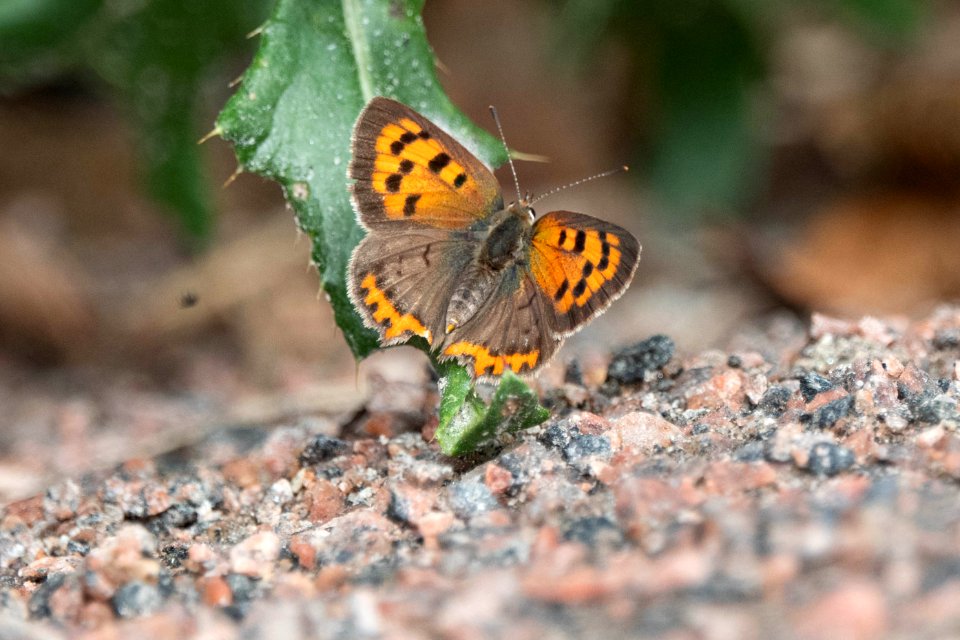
(581, 265)
(508, 332)
(407, 169)
(401, 280)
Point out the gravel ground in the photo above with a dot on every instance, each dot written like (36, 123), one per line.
(802, 484)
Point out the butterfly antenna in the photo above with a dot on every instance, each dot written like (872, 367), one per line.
(579, 182)
(503, 139)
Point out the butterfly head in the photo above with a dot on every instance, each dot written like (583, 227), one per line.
(522, 209)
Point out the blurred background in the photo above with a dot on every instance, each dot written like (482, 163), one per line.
(786, 156)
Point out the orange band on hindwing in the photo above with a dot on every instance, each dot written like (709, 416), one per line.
(393, 323)
(487, 363)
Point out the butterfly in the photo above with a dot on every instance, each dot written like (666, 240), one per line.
(491, 286)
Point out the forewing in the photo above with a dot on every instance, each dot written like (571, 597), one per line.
(401, 281)
(508, 332)
(581, 265)
(407, 169)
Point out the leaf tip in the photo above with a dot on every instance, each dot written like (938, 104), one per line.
(528, 157)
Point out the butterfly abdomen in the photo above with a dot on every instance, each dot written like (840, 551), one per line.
(474, 288)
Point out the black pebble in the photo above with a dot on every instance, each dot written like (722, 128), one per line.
(936, 409)
(321, 449)
(136, 599)
(812, 384)
(827, 415)
(946, 339)
(775, 400)
(514, 464)
(180, 515)
(398, 508)
(573, 374)
(752, 451)
(555, 437)
(581, 446)
(593, 530)
(244, 589)
(828, 459)
(629, 365)
(469, 498)
(173, 555)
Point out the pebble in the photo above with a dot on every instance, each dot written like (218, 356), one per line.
(829, 459)
(255, 556)
(813, 383)
(828, 415)
(630, 365)
(136, 599)
(470, 497)
(322, 448)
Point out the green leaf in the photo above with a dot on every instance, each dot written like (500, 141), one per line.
(317, 66)
(466, 423)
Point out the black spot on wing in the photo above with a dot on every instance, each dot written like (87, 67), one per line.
(396, 147)
(438, 162)
(407, 137)
(581, 241)
(424, 134)
(562, 290)
(406, 166)
(603, 264)
(410, 204)
(459, 180)
(580, 288)
(563, 237)
(587, 269)
(393, 182)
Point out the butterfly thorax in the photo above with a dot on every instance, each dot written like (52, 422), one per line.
(502, 244)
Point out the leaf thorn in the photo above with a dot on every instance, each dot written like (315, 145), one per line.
(233, 176)
(444, 69)
(216, 131)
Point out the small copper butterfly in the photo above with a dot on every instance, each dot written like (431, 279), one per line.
(489, 285)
